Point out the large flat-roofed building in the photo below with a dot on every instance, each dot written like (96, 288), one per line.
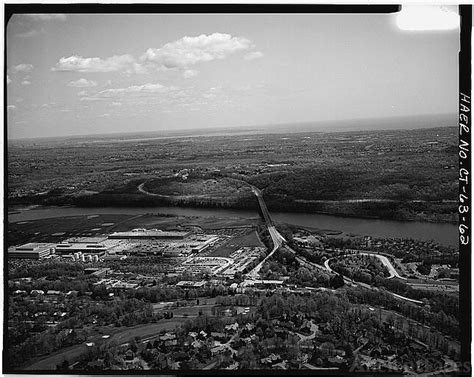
(90, 240)
(76, 247)
(150, 233)
(31, 251)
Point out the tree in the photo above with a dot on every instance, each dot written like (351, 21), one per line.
(336, 281)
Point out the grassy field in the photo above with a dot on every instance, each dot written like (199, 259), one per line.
(216, 223)
(213, 188)
(57, 229)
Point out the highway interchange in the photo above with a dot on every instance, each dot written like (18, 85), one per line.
(279, 241)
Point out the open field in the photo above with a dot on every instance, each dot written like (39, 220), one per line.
(195, 187)
(248, 240)
(57, 229)
(192, 311)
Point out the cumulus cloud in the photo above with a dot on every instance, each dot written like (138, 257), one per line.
(189, 73)
(77, 63)
(188, 51)
(253, 55)
(25, 82)
(23, 68)
(47, 16)
(183, 53)
(82, 83)
(9, 81)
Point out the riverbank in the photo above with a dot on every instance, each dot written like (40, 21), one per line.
(440, 212)
(444, 234)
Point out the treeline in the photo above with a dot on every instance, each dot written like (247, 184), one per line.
(446, 324)
(51, 270)
(141, 200)
(402, 211)
(438, 301)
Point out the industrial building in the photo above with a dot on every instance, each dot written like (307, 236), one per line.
(149, 233)
(203, 244)
(31, 251)
(191, 284)
(85, 248)
(90, 240)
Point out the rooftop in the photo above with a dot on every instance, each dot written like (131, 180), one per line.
(150, 233)
(33, 246)
(89, 240)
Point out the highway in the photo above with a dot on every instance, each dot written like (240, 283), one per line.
(367, 286)
(141, 188)
(277, 238)
(386, 262)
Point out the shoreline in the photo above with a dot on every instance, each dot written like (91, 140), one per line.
(18, 209)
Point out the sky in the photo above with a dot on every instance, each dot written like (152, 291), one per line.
(73, 74)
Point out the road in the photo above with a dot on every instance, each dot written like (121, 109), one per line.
(141, 188)
(314, 329)
(386, 262)
(277, 238)
(352, 282)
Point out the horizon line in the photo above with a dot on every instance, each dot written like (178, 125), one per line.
(244, 128)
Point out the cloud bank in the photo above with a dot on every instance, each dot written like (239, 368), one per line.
(183, 53)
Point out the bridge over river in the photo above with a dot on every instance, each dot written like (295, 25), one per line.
(279, 241)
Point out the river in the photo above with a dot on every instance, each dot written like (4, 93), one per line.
(444, 234)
